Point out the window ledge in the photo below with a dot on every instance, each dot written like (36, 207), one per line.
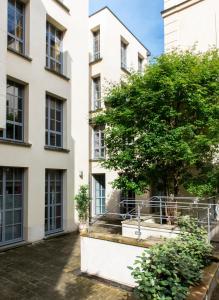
(15, 143)
(125, 70)
(96, 110)
(97, 159)
(62, 5)
(93, 62)
(56, 149)
(57, 73)
(20, 54)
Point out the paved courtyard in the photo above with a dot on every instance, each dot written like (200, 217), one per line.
(47, 270)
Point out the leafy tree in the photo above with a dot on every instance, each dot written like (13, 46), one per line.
(82, 203)
(162, 126)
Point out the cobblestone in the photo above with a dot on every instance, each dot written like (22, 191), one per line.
(48, 270)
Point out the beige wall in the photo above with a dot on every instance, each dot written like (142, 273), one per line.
(194, 22)
(39, 81)
(109, 68)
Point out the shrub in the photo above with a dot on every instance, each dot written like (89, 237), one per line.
(82, 203)
(167, 270)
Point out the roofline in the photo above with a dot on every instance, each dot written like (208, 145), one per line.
(106, 7)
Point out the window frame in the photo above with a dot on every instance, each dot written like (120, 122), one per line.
(96, 100)
(96, 44)
(98, 136)
(140, 64)
(14, 36)
(124, 47)
(49, 58)
(48, 131)
(14, 123)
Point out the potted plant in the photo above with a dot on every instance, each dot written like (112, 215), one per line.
(82, 206)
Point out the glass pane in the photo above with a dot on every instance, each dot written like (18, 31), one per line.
(17, 231)
(18, 201)
(9, 218)
(58, 211)
(58, 140)
(17, 216)
(11, 42)
(58, 223)
(8, 233)
(1, 204)
(9, 202)
(18, 133)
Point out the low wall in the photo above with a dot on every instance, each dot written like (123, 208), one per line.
(130, 229)
(109, 258)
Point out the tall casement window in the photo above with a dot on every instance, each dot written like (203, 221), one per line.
(53, 201)
(140, 64)
(99, 145)
(14, 112)
(54, 120)
(54, 55)
(99, 193)
(96, 93)
(11, 205)
(96, 45)
(124, 47)
(16, 21)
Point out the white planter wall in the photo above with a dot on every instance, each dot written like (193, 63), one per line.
(108, 260)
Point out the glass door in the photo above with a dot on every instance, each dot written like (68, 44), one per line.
(11, 205)
(99, 194)
(53, 201)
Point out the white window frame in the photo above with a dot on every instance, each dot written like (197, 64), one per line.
(96, 82)
(96, 44)
(99, 150)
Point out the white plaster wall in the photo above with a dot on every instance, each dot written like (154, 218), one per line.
(194, 25)
(115, 268)
(36, 159)
(109, 68)
(170, 3)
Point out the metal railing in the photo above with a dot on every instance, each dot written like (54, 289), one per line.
(161, 210)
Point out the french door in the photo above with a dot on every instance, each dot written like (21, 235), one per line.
(100, 193)
(11, 205)
(53, 201)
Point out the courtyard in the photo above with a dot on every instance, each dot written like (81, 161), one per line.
(50, 270)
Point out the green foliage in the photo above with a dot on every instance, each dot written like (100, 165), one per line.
(164, 125)
(82, 203)
(166, 271)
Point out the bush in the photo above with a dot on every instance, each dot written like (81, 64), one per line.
(82, 203)
(166, 271)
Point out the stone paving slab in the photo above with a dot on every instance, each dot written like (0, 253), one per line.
(47, 270)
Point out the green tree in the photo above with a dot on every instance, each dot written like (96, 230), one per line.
(162, 126)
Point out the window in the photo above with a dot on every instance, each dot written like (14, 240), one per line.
(99, 193)
(97, 93)
(11, 205)
(124, 55)
(140, 64)
(54, 55)
(54, 116)
(96, 45)
(14, 112)
(53, 201)
(16, 21)
(99, 146)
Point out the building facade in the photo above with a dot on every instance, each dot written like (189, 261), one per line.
(191, 23)
(114, 53)
(43, 116)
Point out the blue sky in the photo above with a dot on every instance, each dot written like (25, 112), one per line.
(142, 17)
